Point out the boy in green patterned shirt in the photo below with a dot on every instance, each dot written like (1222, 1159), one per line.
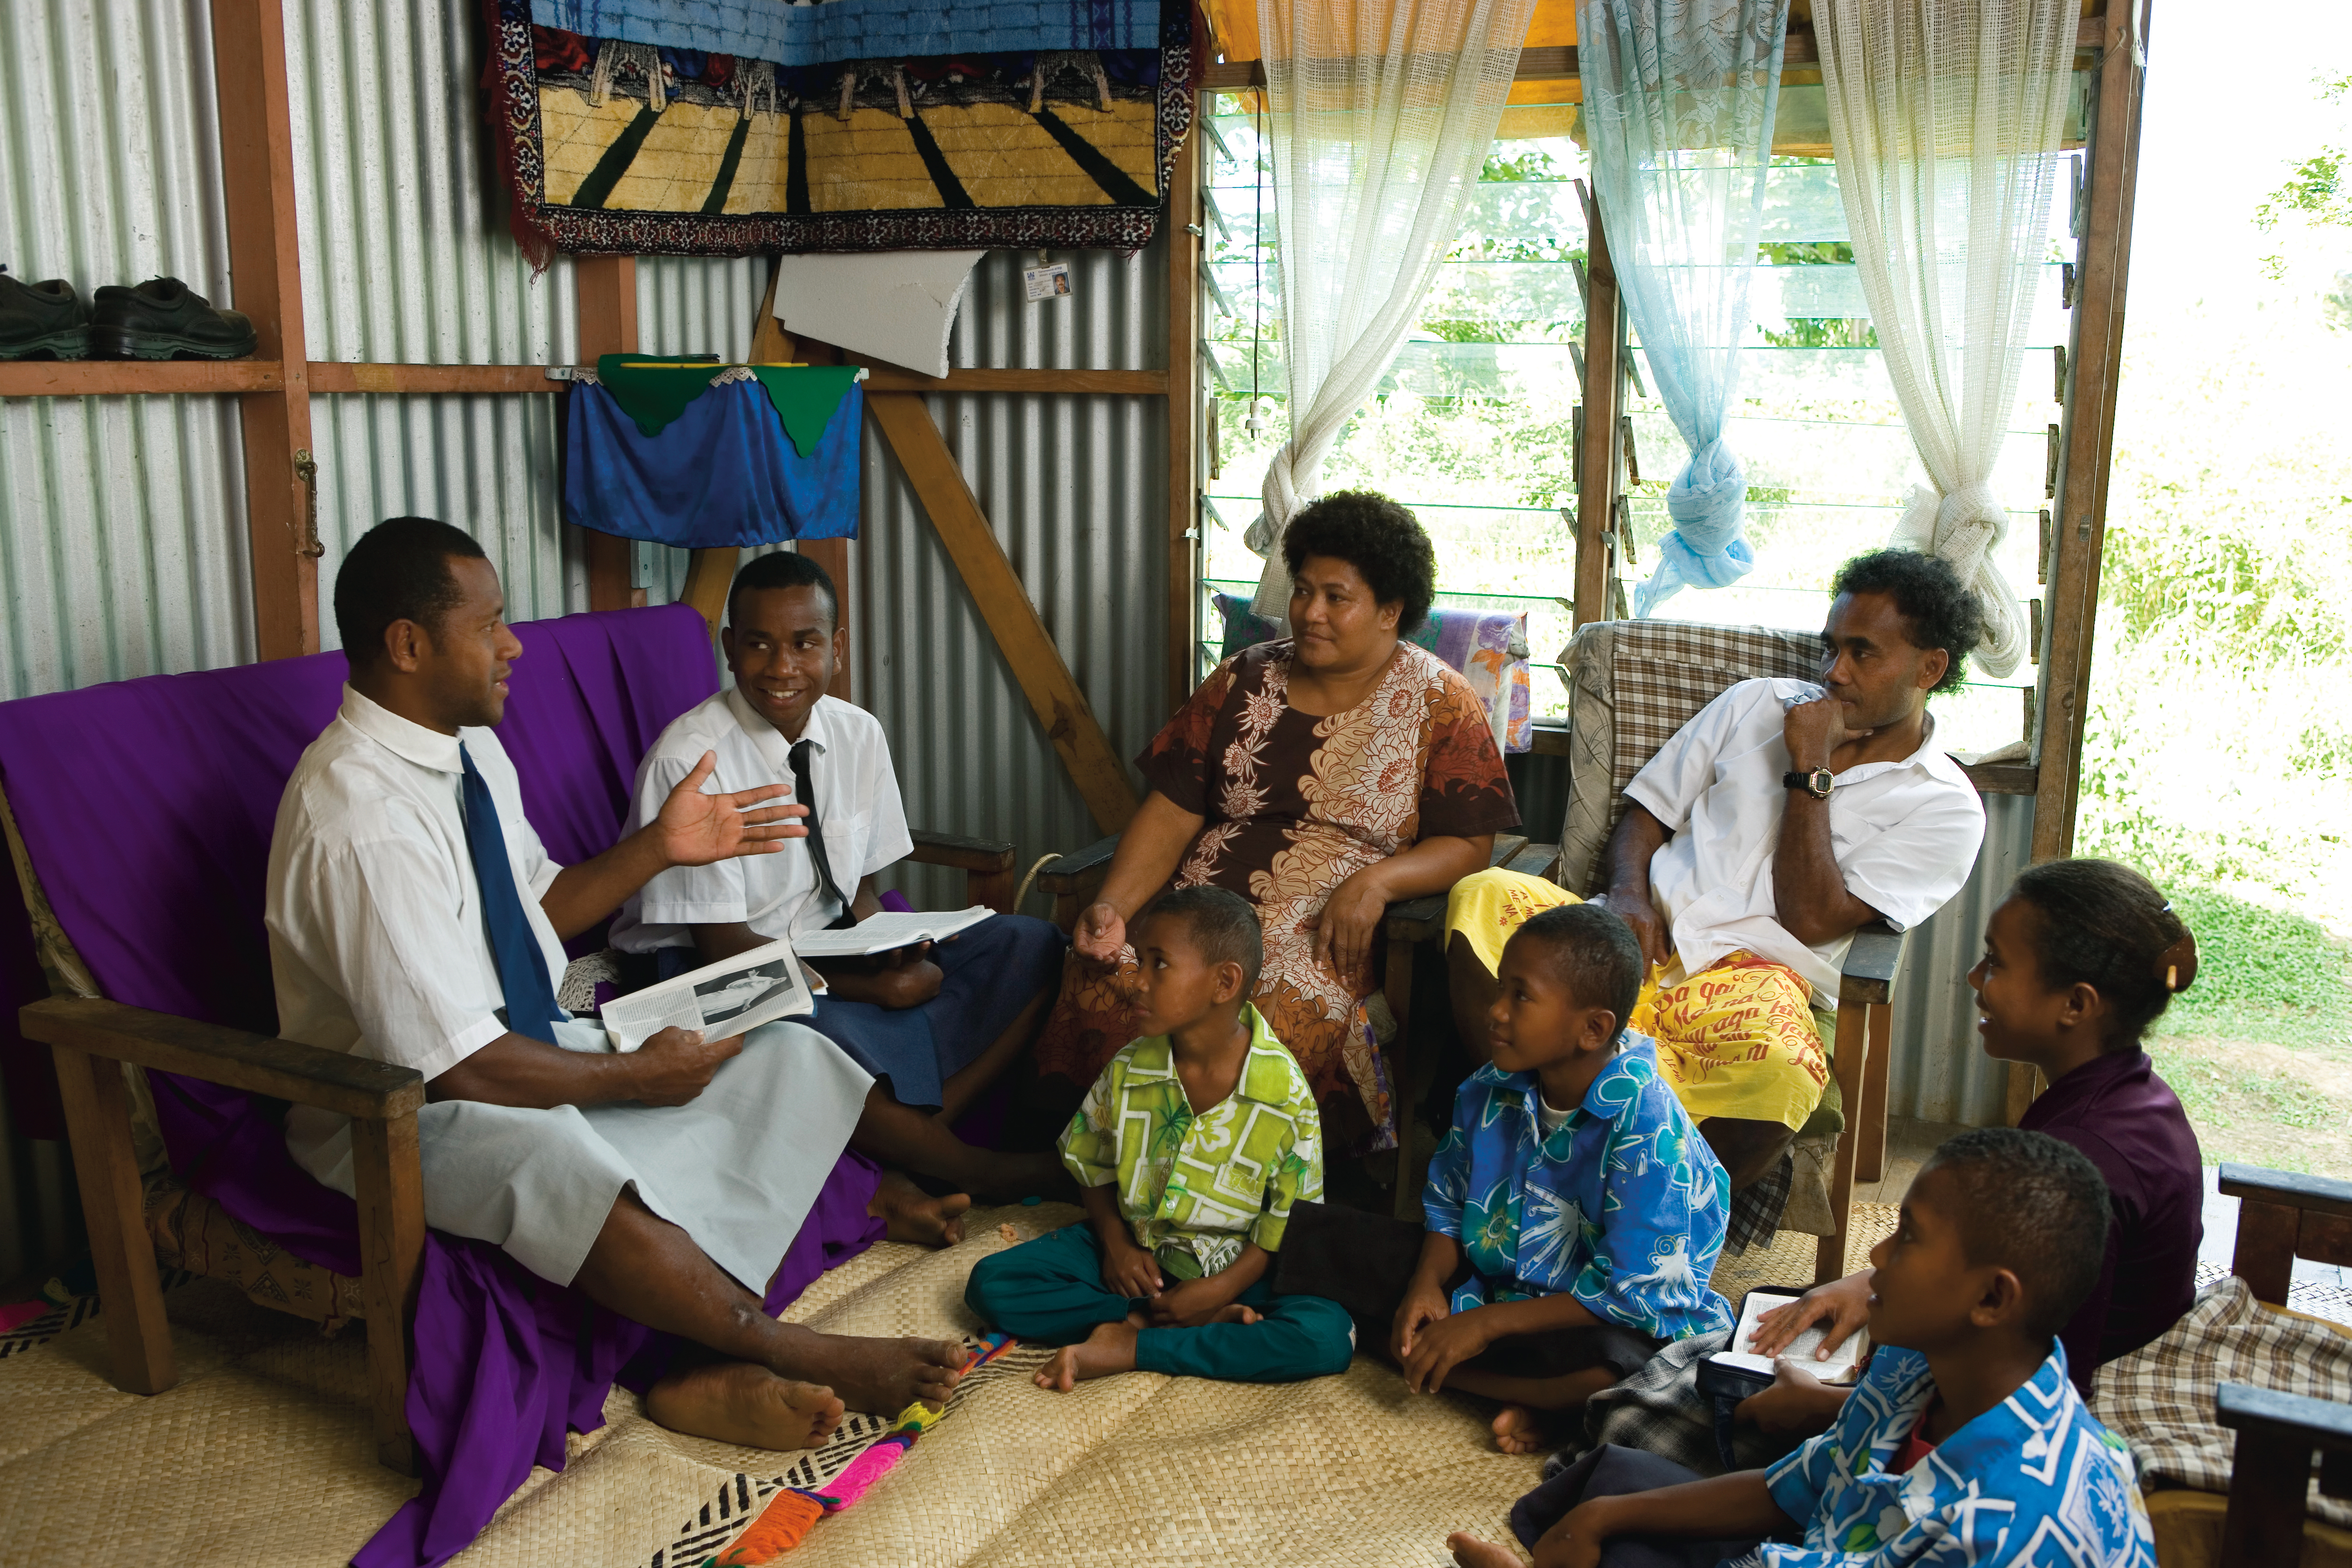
(1190, 1148)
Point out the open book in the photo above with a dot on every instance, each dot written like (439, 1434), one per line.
(1838, 1368)
(729, 997)
(890, 929)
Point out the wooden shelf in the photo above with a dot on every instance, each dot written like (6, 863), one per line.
(327, 377)
(119, 377)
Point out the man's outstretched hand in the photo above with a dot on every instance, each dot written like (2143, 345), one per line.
(696, 830)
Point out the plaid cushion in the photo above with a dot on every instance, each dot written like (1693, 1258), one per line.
(2159, 1398)
(1632, 685)
(1660, 1411)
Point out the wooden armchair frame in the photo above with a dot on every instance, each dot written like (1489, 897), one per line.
(2282, 1216)
(92, 1040)
(1074, 879)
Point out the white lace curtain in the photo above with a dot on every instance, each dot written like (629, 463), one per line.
(1678, 100)
(1379, 112)
(1945, 117)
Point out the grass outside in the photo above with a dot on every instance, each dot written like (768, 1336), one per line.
(2259, 1049)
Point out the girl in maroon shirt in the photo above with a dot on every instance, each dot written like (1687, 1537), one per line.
(2080, 960)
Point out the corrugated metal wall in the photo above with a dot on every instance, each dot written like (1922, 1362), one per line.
(1073, 487)
(121, 519)
(1939, 1072)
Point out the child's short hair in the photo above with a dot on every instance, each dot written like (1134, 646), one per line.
(2104, 925)
(2033, 1206)
(1222, 925)
(1592, 950)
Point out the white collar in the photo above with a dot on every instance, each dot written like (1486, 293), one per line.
(773, 747)
(403, 738)
(1929, 759)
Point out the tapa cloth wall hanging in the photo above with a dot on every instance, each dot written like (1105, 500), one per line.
(705, 127)
(700, 454)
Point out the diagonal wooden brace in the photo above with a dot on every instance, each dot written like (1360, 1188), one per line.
(996, 592)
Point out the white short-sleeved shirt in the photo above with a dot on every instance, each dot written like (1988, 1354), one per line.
(777, 895)
(376, 938)
(1904, 834)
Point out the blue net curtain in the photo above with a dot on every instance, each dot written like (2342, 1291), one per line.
(1679, 97)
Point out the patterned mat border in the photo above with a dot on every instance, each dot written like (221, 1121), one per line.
(543, 228)
(742, 1497)
(77, 1311)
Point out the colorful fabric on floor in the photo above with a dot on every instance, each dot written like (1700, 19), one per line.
(722, 472)
(624, 126)
(1740, 1039)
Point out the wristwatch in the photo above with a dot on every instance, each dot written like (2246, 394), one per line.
(1817, 783)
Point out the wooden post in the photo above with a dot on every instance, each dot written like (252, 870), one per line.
(1184, 243)
(256, 142)
(97, 1127)
(938, 483)
(1604, 401)
(1852, 1067)
(607, 290)
(2094, 366)
(390, 1185)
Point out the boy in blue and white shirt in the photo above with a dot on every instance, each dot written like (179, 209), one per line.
(1573, 1212)
(1966, 1442)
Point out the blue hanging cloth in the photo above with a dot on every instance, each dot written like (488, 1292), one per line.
(722, 473)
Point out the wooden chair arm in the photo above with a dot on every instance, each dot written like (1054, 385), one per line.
(234, 1058)
(982, 855)
(1061, 874)
(2284, 1216)
(2321, 1423)
(1871, 963)
(2291, 1189)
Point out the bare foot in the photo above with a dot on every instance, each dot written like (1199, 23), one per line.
(737, 1402)
(1110, 1349)
(1236, 1313)
(914, 1215)
(1472, 1552)
(1519, 1430)
(881, 1377)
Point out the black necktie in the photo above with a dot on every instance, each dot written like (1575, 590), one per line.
(805, 793)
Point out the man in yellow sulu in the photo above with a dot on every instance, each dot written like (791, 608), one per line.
(1778, 821)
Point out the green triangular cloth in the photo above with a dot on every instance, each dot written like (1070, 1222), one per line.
(653, 390)
(805, 398)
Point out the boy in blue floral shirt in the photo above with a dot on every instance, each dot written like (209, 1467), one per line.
(1574, 1212)
(1966, 1442)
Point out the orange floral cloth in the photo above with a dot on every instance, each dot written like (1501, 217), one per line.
(1293, 806)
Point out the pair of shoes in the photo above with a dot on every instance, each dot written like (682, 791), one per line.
(161, 319)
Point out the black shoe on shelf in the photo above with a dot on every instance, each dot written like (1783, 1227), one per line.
(164, 318)
(42, 319)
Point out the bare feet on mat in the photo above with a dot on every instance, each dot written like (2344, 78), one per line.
(1236, 1313)
(881, 1377)
(738, 1402)
(914, 1215)
(1519, 1430)
(1110, 1349)
(1470, 1552)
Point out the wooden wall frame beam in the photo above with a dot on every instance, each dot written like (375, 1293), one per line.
(2094, 368)
(1604, 399)
(606, 287)
(938, 483)
(265, 263)
(1185, 239)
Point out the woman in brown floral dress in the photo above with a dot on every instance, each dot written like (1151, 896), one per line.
(1321, 777)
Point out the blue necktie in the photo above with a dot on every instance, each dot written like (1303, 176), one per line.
(514, 946)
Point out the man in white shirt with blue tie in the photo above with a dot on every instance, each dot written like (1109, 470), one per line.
(936, 1024)
(415, 917)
